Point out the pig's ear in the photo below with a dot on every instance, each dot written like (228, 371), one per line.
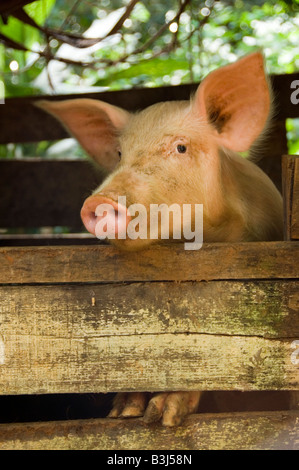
(235, 99)
(93, 123)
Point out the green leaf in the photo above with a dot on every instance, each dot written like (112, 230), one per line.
(140, 13)
(39, 10)
(19, 32)
(294, 148)
(25, 34)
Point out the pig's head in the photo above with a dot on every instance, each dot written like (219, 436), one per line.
(170, 152)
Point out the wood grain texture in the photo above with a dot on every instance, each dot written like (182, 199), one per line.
(151, 337)
(235, 431)
(295, 206)
(103, 263)
(267, 309)
(290, 179)
(38, 365)
(287, 172)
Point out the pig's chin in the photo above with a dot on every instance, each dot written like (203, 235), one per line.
(131, 245)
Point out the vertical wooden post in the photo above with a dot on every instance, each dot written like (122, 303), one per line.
(290, 190)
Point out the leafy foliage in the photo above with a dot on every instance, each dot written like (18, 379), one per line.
(204, 35)
(139, 43)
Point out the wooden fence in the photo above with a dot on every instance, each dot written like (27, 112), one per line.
(85, 318)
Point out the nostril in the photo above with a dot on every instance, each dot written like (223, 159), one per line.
(89, 219)
(88, 213)
(104, 217)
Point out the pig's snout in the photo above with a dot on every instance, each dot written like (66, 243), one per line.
(104, 217)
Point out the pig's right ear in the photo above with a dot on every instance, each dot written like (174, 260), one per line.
(93, 123)
(235, 99)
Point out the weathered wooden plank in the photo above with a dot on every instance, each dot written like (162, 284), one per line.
(256, 260)
(68, 339)
(235, 431)
(287, 171)
(161, 336)
(254, 308)
(290, 179)
(295, 206)
(122, 338)
(33, 364)
(29, 118)
(37, 192)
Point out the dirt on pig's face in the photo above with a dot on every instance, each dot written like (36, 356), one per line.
(166, 157)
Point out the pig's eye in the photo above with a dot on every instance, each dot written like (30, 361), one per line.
(119, 154)
(181, 148)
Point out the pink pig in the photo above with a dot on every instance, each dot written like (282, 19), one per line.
(182, 152)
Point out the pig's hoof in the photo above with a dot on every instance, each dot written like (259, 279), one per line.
(128, 405)
(170, 408)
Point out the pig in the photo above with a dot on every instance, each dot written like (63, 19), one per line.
(182, 152)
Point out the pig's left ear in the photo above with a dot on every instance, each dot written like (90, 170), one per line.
(235, 99)
(95, 124)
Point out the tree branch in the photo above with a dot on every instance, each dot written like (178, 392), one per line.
(81, 42)
(74, 39)
(123, 18)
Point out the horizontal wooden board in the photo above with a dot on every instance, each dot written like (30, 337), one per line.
(109, 338)
(103, 263)
(33, 364)
(254, 308)
(234, 431)
(35, 125)
(38, 193)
